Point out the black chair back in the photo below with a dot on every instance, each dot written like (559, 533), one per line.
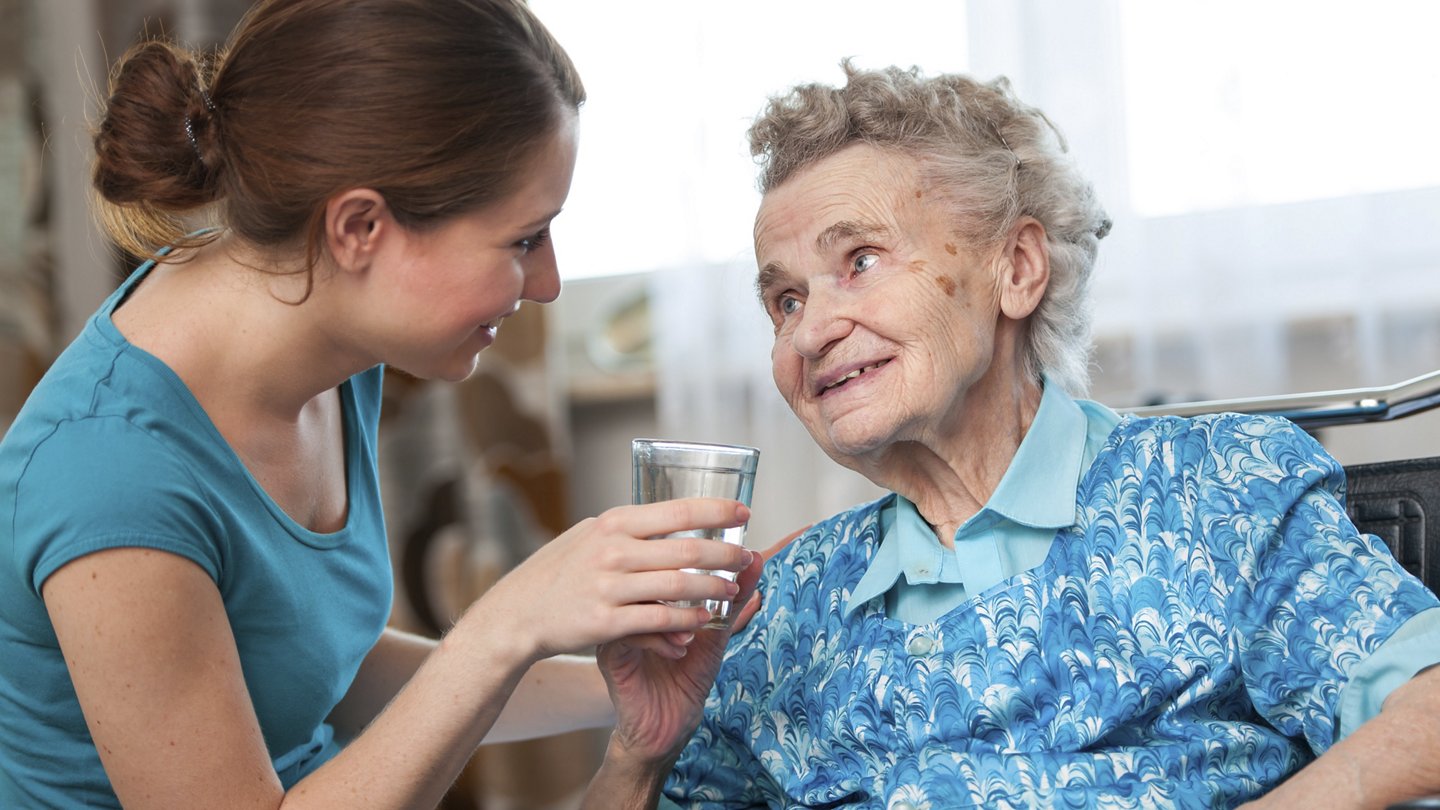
(1399, 501)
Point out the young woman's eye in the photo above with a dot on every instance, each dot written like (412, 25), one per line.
(863, 262)
(535, 241)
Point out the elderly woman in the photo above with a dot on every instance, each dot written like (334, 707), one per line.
(1057, 606)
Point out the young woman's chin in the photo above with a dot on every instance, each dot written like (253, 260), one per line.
(456, 368)
(460, 370)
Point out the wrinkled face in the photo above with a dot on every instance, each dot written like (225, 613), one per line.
(883, 318)
(452, 286)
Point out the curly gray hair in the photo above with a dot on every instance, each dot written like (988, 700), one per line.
(993, 157)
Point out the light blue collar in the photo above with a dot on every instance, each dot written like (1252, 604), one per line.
(1038, 489)
(1037, 492)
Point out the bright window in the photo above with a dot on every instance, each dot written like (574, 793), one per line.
(665, 177)
(1232, 103)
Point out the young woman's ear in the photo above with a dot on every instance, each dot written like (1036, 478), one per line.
(356, 223)
(1027, 269)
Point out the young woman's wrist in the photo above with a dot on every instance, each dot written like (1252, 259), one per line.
(482, 630)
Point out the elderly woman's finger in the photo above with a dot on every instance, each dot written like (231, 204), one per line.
(752, 603)
(779, 545)
(745, 613)
(665, 645)
(749, 596)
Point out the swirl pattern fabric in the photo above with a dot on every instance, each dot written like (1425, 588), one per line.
(1184, 644)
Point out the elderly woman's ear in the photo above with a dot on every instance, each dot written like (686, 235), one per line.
(1024, 268)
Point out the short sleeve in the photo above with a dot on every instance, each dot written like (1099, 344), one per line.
(100, 483)
(1412, 649)
(1312, 597)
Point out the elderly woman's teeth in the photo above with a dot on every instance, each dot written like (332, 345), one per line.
(856, 373)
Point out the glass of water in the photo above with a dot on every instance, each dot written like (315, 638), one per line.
(665, 470)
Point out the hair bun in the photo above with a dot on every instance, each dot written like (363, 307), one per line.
(155, 144)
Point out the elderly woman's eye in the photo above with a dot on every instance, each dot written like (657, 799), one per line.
(788, 305)
(863, 262)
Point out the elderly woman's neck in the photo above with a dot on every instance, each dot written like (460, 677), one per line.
(950, 476)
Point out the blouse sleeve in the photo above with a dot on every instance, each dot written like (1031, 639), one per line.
(1307, 595)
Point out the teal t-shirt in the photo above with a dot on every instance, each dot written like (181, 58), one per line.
(112, 450)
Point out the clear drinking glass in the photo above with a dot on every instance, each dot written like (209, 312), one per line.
(665, 470)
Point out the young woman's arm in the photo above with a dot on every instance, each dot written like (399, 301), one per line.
(555, 695)
(155, 666)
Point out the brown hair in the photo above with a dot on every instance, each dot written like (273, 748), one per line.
(991, 156)
(436, 104)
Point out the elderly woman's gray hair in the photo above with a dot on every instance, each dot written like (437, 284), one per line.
(991, 156)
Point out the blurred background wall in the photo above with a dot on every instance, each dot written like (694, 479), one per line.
(1269, 168)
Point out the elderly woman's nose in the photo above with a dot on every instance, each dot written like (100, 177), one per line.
(822, 324)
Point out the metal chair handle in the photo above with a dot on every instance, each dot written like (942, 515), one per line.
(1321, 408)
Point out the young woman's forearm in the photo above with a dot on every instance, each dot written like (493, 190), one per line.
(556, 695)
(414, 749)
(394, 660)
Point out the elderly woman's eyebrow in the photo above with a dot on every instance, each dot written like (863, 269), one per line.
(769, 276)
(850, 229)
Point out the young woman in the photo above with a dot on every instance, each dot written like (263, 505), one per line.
(194, 579)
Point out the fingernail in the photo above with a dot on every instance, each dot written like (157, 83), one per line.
(731, 588)
(742, 512)
(689, 637)
(748, 558)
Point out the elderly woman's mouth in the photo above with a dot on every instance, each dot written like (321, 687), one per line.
(826, 388)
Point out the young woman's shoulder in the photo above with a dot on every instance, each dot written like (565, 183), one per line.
(102, 482)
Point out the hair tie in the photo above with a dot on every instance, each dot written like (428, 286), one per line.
(190, 126)
(194, 144)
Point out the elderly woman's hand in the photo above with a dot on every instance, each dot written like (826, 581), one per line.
(659, 699)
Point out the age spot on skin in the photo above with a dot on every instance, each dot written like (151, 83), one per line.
(951, 249)
(946, 284)
(919, 193)
(918, 266)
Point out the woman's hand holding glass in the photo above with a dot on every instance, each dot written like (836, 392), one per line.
(659, 698)
(605, 579)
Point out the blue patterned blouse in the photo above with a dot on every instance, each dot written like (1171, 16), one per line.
(1184, 644)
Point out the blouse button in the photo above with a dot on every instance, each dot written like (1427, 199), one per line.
(920, 645)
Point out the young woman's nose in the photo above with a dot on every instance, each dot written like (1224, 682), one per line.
(542, 279)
